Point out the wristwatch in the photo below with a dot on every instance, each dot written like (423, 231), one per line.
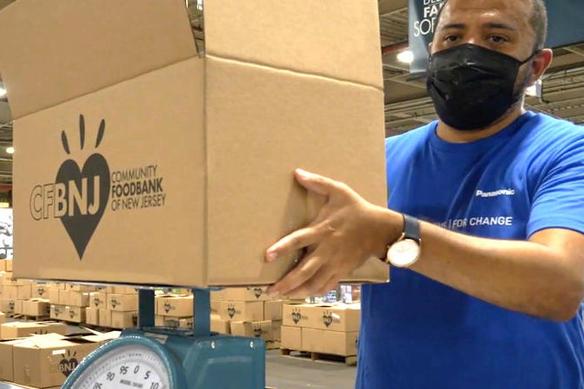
(406, 251)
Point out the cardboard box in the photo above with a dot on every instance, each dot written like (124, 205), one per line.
(123, 320)
(217, 295)
(245, 294)
(122, 302)
(329, 342)
(7, 305)
(273, 310)
(80, 288)
(121, 290)
(40, 291)
(291, 338)
(8, 264)
(14, 330)
(297, 315)
(17, 292)
(2, 317)
(200, 187)
(267, 330)
(36, 307)
(54, 293)
(185, 323)
(98, 300)
(64, 296)
(242, 310)
(105, 318)
(219, 325)
(338, 317)
(58, 312)
(2, 265)
(18, 307)
(178, 306)
(78, 299)
(42, 363)
(75, 314)
(92, 316)
(7, 360)
(215, 306)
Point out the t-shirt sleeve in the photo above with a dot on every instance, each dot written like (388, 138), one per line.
(559, 199)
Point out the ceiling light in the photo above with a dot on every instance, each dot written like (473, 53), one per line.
(406, 57)
(2, 92)
(10, 150)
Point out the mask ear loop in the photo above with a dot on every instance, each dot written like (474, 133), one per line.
(532, 56)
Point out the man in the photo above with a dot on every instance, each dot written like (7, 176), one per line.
(492, 300)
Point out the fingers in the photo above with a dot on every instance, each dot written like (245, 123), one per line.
(316, 183)
(297, 276)
(315, 285)
(297, 240)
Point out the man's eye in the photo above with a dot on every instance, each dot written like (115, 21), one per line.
(450, 38)
(497, 39)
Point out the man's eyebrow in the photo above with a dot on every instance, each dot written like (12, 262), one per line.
(457, 26)
(502, 26)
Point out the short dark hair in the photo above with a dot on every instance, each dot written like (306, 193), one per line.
(538, 21)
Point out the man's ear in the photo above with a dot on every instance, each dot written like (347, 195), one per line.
(541, 64)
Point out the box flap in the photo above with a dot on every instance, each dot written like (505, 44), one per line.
(52, 51)
(338, 39)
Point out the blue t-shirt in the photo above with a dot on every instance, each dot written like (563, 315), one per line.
(418, 333)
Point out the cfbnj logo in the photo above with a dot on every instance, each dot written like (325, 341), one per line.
(78, 196)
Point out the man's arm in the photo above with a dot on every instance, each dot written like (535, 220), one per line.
(543, 277)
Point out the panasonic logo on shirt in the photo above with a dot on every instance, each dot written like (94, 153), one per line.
(497, 193)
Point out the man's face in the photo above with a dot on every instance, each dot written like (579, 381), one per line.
(500, 25)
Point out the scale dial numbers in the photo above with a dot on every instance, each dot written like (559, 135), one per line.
(131, 367)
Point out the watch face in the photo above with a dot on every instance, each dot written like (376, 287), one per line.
(404, 253)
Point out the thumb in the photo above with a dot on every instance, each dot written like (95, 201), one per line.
(315, 183)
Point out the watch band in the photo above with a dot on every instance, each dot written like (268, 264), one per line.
(411, 228)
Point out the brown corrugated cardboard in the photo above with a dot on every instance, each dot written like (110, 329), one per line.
(329, 342)
(75, 314)
(18, 307)
(245, 294)
(98, 300)
(105, 318)
(8, 265)
(338, 317)
(206, 185)
(2, 265)
(178, 306)
(291, 338)
(219, 325)
(2, 317)
(40, 291)
(16, 330)
(273, 310)
(242, 310)
(44, 362)
(7, 306)
(217, 295)
(296, 315)
(7, 360)
(121, 290)
(215, 306)
(58, 312)
(92, 316)
(78, 299)
(80, 288)
(64, 296)
(122, 302)
(54, 292)
(123, 320)
(17, 292)
(256, 329)
(36, 307)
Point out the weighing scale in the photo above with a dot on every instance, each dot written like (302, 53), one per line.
(163, 358)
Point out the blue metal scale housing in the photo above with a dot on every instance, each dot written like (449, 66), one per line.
(189, 359)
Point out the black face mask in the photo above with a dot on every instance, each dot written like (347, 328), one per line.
(472, 86)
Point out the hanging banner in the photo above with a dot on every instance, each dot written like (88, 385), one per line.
(423, 20)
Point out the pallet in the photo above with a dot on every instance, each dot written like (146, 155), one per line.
(272, 345)
(17, 316)
(347, 360)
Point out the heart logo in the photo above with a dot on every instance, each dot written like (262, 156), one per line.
(257, 332)
(114, 303)
(68, 363)
(86, 191)
(96, 302)
(231, 312)
(258, 292)
(167, 307)
(296, 316)
(327, 319)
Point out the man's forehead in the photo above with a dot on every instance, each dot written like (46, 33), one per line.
(517, 12)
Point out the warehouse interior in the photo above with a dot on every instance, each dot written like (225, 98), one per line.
(407, 106)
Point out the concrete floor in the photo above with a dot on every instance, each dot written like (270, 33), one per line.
(283, 372)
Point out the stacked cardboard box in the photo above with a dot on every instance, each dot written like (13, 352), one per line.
(13, 292)
(246, 312)
(45, 361)
(174, 310)
(326, 329)
(121, 307)
(68, 301)
(21, 329)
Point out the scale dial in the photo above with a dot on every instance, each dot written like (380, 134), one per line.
(130, 362)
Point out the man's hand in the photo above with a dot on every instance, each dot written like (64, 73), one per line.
(347, 231)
